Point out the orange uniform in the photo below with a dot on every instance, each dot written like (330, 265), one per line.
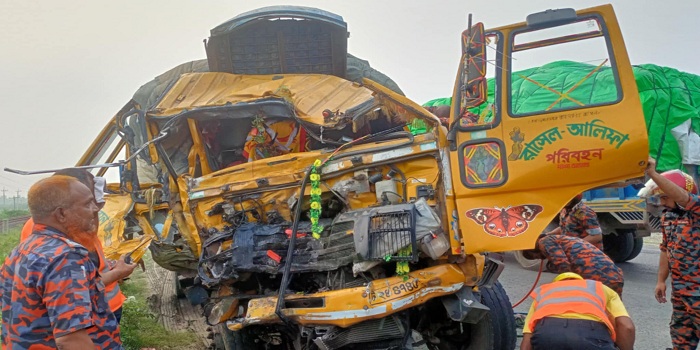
(571, 296)
(573, 313)
(50, 289)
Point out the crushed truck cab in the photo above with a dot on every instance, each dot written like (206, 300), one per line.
(306, 203)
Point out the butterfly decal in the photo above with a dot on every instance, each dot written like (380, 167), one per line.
(505, 222)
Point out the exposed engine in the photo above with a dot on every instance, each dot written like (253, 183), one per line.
(246, 258)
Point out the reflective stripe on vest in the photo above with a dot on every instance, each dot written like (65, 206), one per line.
(571, 296)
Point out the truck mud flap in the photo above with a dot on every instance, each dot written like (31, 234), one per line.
(464, 306)
(492, 270)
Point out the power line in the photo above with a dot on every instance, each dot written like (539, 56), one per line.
(15, 181)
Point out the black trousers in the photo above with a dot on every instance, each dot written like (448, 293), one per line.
(569, 334)
(118, 315)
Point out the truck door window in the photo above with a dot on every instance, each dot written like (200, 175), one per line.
(562, 68)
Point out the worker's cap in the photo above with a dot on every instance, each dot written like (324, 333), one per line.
(683, 180)
(567, 276)
(99, 189)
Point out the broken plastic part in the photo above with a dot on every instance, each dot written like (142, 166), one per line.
(388, 188)
(434, 245)
(288, 232)
(274, 256)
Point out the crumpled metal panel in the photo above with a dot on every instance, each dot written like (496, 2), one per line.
(309, 94)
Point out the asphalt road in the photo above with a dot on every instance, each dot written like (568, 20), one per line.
(651, 318)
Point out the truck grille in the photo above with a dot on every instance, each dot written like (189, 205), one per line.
(365, 332)
(637, 217)
(389, 233)
(385, 233)
(631, 217)
(655, 223)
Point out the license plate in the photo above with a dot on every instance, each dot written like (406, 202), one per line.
(380, 294)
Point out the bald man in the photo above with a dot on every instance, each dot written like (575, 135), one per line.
(51, 293)
(111, 275)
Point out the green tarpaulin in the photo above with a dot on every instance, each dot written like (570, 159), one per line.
(670, 99)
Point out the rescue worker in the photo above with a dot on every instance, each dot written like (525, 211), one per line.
(571, 254)
(577, 219)
(110, 275)
(676, 193)
(577, 314)
(51, 293)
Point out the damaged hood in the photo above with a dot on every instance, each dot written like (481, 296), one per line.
(310, 95)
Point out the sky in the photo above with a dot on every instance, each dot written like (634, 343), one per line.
(67, 66)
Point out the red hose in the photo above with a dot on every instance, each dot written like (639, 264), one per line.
(539, 273)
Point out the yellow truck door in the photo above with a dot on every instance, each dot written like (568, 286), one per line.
(563, 116)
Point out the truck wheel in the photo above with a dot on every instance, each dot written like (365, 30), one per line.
(638, 245)
(528, 264)
(225, 339)
(501, 318)
(619, 245)
(534, 264)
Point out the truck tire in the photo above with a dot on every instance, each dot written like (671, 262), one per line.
(225, 339)
(501, 317)
(528, 264)
(638, 245)
(618, 245)
(533, 264)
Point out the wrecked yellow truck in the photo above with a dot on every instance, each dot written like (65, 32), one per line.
(305, 203)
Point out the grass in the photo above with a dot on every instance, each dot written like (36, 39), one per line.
(7, 214)
(8, 241)
(139, 326)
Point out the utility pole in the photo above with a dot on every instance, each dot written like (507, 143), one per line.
(3, 197)
(16, 198)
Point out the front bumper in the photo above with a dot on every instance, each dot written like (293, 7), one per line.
(347, 307)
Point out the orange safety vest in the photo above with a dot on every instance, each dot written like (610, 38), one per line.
(114, 296)
(571, 296)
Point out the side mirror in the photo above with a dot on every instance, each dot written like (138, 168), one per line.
(473, 72)
(470, 90)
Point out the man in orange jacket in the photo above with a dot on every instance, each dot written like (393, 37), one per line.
(573, 313)
(110, 275)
